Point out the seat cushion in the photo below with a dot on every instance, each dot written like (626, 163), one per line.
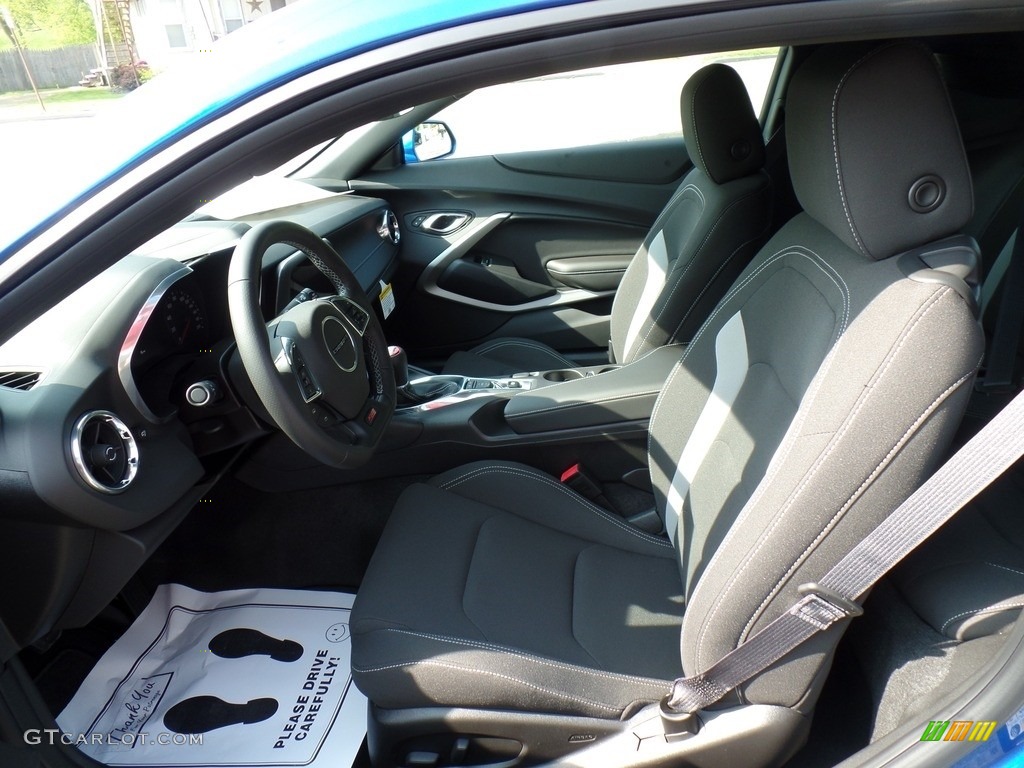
(503, 357)
(494, 586)
(967, 580)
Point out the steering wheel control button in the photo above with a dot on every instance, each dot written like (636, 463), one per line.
(307, 384)
(202, 393)
(355, 314)
(322, 415)
(340, 345)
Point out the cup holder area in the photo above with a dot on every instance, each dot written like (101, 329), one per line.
(566, 375)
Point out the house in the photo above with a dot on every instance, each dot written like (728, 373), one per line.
(165, 30)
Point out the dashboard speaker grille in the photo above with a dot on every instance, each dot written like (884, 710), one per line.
(104, 452)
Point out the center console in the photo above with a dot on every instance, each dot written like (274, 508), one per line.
(597, 415)
(535, 402)
(424, 388)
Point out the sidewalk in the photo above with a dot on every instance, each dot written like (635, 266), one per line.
(60, 103)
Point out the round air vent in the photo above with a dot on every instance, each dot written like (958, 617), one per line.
(104, 452)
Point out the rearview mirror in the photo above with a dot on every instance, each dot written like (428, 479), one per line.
(428, 141)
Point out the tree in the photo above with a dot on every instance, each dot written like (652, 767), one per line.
(44, 24)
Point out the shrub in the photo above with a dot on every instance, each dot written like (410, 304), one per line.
(122, 78)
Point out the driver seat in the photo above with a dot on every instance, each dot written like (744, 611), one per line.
(703, 238)
(505, 619)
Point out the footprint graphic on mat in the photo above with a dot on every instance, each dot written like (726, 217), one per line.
(236, 643)
(201, 714)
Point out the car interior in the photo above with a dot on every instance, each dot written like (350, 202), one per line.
(570, 423)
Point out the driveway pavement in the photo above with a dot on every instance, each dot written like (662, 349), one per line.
(28, 136)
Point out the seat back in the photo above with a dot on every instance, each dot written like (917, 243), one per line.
(710, 228)
(826, 384)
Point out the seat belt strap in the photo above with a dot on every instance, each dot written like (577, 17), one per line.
(971, 469)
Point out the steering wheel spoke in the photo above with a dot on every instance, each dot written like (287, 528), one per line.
(320, 368)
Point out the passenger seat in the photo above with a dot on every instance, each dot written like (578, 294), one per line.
(946, 610)
(699, 243)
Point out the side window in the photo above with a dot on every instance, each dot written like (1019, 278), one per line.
(622, 102)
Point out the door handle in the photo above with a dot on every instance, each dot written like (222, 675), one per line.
(443, 223)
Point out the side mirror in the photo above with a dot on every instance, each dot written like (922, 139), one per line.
(428, 141)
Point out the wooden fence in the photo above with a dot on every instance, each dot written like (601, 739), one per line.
(59, 68)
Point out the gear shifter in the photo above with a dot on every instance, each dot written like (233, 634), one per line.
(423, 390)
(400, 364)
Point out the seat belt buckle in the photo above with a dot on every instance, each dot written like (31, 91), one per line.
(580, 481)
(823, 607)
(677, 724)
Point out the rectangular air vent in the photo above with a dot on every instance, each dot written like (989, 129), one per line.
(21, 380)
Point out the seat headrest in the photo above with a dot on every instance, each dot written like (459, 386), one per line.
(874, 150)
(723, 136)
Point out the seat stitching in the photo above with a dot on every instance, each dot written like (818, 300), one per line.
(1006, 568)
(447, 665)
(853, 497)
(710, 282)
(835, 148)
(634, 262)
(782, 253)
(693, 121)
(528, 657)
(976, 611)
(834, 443)
(782, 454)
(525, 343)
(810, 474)
(658, 227)
(548, 409)
(790, 440)
(578, 499)
(693, 260)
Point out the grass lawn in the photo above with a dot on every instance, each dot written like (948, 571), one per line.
(56, 96)
(75, 95)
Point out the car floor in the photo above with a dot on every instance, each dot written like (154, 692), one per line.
(323, 538)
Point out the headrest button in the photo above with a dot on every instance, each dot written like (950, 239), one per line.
(740, 150)
(926, 194)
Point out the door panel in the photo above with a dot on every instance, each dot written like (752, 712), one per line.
(531, 245)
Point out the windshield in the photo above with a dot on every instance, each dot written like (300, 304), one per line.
(58, 142)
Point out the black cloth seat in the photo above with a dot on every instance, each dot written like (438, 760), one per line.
(559, 605)
(819, 393)
(704, 237)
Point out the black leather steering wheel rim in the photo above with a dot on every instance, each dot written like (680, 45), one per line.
(352, 439)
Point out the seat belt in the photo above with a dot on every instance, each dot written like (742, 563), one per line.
(974, 467)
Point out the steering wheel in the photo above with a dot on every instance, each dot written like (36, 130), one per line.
(321, 369)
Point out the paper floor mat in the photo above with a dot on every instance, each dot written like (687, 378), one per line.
(256, 677)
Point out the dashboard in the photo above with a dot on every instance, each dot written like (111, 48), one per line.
(111, 366)
(103, 445)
